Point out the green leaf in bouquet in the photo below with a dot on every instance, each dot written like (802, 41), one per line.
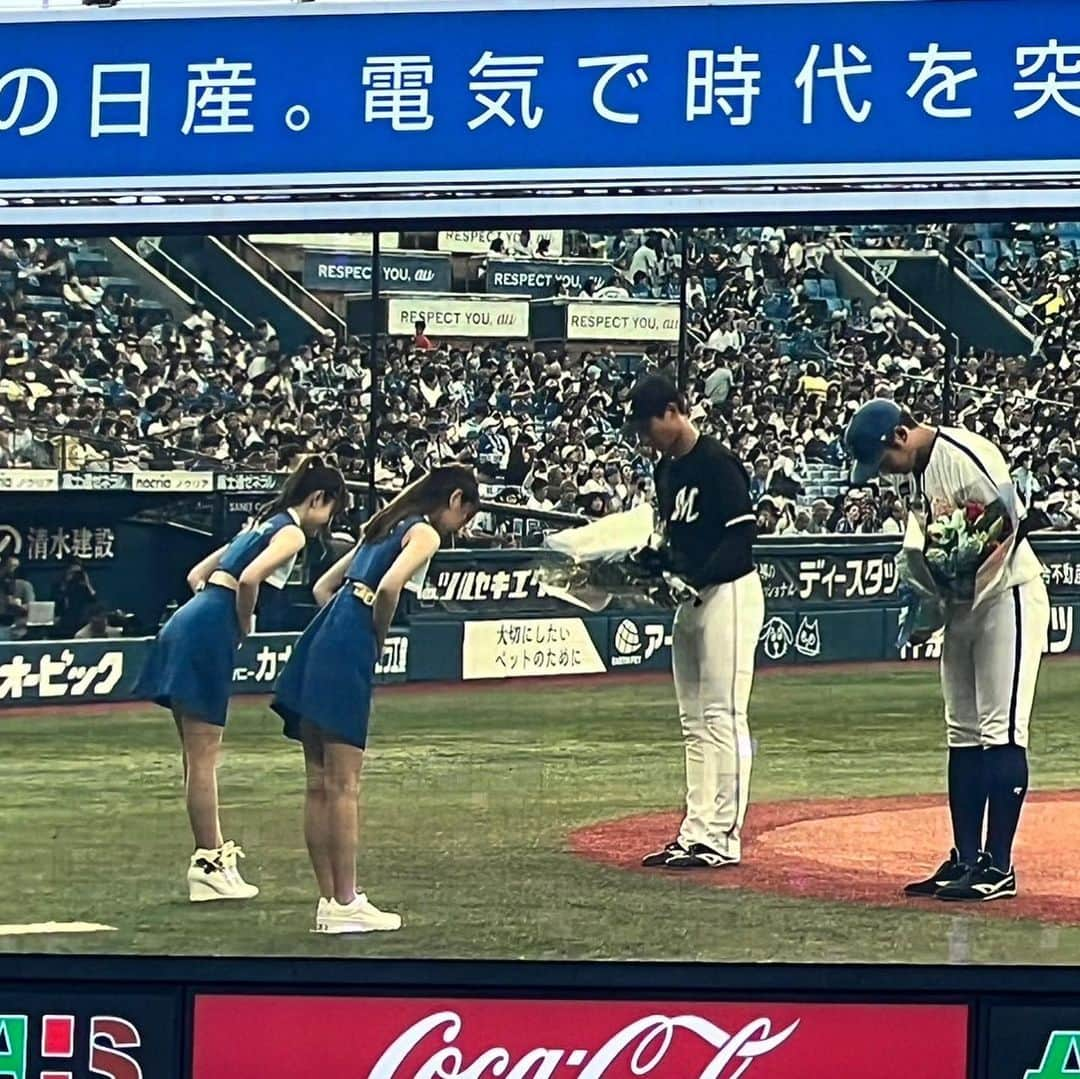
(995, 533)
(993, 513)
(937, 558)
(969, 553)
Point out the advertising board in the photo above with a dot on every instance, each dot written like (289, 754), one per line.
(283, 1037)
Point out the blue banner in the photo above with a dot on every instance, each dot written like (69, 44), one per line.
(524, 277)
(95, 670)
(913, 91)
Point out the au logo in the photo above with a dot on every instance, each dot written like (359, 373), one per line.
(1061, 1058)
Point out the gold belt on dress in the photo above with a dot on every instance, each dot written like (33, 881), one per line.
(364, 594)
(223, 579)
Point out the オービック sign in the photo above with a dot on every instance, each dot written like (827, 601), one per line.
(386, 1038)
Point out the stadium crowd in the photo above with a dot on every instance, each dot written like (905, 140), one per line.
(776, 364)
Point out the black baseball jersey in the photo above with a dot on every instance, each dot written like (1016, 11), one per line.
(704, 501)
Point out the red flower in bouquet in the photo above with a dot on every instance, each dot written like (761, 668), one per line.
(973, 511)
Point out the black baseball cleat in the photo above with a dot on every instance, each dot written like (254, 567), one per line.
(981, 883)
(660, 858)
(949, 872)
(699, 856)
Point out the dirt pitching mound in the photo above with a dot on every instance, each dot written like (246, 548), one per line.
(864, 851)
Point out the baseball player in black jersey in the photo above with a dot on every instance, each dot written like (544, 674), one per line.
(709, 525)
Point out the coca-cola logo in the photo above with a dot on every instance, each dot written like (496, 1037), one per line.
(282, 1037)
(644, 1045)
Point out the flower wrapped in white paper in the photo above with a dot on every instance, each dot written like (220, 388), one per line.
(619, 557)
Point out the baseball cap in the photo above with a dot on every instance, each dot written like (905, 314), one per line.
(867, 436)
(649, 399)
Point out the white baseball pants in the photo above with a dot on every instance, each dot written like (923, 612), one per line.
(713, 646)
(989, 666)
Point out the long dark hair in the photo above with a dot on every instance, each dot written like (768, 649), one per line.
(311, 477)
(425, 496)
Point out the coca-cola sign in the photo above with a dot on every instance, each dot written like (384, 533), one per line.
(275, 1037)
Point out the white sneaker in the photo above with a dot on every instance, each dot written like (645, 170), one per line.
(359, 916)
(212, 875)
(230, 852)
(320, 915)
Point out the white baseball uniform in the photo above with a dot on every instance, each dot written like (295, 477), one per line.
(991, 653)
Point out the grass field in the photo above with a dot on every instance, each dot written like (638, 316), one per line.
(468, 798)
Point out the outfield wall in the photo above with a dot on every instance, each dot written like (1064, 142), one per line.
(138, 534)
(435, 649)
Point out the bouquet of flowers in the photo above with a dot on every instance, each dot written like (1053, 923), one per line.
(617, 558)
(952, 560)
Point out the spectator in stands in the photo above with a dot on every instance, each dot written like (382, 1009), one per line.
(641, 289)
(74, 453)
(881, 311)
(523, 246)
(820, 514)
(538, 495)
(759, 478)
(1056, 509)
(420, 461)
(74, 595)
(568, 499)
(646, 260)
(421, 340)
(893, 523)
(800, 524)
(719, 381)
(98, 625)
(596, 505)
(778, 382)
(813, 382)
(727, 337)
(16, 595)
(768, 517)
(854, 519)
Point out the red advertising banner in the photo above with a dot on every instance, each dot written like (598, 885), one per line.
(388, 1038)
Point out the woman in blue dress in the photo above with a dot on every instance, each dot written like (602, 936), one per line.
(190, 666)
(324, 692)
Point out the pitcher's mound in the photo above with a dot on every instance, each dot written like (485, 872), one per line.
(864, 851)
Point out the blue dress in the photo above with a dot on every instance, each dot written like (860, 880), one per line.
(328, 679)
(190, 666)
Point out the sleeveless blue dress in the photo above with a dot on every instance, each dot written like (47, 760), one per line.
(328, 679)
(190, 666)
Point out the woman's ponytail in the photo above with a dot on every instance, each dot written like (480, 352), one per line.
(311, 476)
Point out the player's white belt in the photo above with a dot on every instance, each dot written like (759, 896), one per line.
(364, 594)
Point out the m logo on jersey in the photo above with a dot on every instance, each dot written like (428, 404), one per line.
(686, 505)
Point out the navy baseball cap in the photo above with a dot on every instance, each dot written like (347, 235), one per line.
(867, 437)
(649, 399)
